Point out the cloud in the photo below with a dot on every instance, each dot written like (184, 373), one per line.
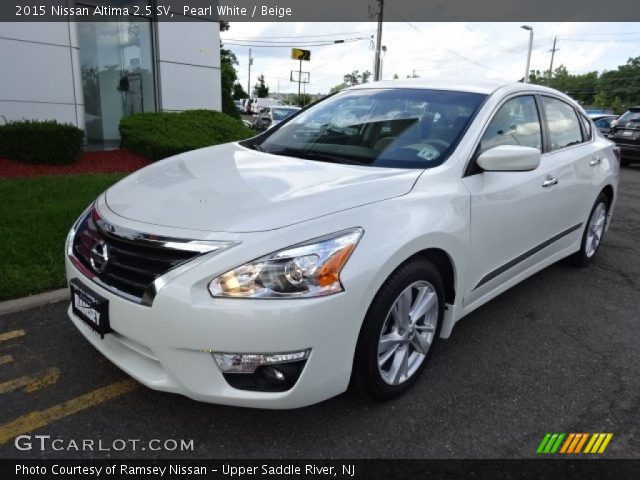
(480, 50)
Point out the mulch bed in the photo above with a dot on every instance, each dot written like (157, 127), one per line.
(113, 161)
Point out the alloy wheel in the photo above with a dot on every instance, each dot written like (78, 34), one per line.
(408, 332)
(595, 229)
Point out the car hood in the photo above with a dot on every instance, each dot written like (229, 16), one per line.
(229, 188)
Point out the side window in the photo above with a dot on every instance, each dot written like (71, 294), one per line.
(564, 128)
(515, 123)
(588, 131)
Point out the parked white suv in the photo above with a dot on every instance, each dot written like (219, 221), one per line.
(339, 245)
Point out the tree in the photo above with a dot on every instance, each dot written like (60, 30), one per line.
(238, 92)
(613, 89)
(228, 77)
(339, 87)
(356, 78)
(301, 100)
(260, 89)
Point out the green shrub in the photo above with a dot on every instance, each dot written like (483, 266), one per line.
(47, 142)
(162, 134)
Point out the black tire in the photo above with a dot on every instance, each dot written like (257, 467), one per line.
(580, 258)
(366, 377)
(625, 162)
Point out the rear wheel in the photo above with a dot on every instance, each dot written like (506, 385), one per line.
(399, 330)
(593, 232)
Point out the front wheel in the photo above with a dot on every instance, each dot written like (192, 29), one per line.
(593, 232)
(399, 330)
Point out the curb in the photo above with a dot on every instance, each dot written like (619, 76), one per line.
(25, 303)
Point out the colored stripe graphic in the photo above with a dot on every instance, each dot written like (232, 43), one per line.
(544, 441)
(574, 443)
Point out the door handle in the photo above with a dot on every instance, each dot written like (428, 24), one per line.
(549, 182)
(595, 162)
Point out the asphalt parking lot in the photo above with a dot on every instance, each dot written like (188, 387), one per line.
(558, 353)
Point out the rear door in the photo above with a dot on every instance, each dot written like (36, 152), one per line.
(577, 161)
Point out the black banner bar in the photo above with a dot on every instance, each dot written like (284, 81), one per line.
(582, 469)
(325, 11)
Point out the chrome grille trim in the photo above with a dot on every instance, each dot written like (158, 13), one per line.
(126, 275)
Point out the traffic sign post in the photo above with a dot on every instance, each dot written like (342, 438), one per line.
(300, 54)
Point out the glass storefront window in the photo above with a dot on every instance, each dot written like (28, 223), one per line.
(116, 63)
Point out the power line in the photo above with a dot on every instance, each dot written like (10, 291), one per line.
(319, 35)
(442, 46)
(297, 44)
(248, 40)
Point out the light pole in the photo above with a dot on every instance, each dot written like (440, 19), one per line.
(526, 72)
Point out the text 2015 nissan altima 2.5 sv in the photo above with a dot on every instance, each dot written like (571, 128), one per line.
(335, 248)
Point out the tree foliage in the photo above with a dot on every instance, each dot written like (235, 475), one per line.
(238, 92)
(353, 78)
(261, 89)
(615, 89)
(301, 100)
(228, 77)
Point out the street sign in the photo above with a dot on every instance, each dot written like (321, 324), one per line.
(302, 77)
(300, 54)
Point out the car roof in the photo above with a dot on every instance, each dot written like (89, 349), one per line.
(485, 86)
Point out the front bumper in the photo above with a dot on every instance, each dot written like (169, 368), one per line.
(168, 345)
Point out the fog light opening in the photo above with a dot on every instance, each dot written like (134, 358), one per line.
(272, 372)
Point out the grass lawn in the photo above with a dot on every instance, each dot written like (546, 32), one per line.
(35, 217)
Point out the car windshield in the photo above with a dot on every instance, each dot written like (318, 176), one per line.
(398, 128)
(282, 113)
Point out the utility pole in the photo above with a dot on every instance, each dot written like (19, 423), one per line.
(249, 78)
(299, 78)
(526, 72)
(376, 66)
(553, 52)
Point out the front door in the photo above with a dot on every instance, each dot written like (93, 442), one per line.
(513, 214)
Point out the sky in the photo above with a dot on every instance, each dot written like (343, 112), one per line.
(455, 49)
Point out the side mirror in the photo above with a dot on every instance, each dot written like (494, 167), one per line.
(509, 158)
(614, 123)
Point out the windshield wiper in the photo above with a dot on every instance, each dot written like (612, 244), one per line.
(257, 147)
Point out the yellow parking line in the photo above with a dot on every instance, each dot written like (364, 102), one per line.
(6, 359)
(31, 384)
(11, 334)
(41, 418)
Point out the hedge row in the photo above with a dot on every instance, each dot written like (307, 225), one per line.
(158, 135)
(47, 142)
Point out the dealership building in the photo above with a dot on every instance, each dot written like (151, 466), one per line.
(91, 74)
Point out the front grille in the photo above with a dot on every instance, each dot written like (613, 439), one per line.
(127, 264)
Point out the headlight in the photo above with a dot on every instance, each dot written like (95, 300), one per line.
(310, 269)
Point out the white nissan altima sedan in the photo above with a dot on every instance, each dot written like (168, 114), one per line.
(338, 246)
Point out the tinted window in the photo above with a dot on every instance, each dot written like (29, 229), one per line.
(402, 128)
(564, 128)
(515, 123)
(603, 123)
